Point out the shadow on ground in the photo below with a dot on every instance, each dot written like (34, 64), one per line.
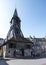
(3, 62)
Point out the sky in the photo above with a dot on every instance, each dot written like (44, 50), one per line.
(31, 12)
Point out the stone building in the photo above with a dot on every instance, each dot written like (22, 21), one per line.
(15, 43)
(1, 47)
(39, 45)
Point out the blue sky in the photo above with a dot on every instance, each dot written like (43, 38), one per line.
(31, 12)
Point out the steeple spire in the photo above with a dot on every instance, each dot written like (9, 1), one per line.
(15, 29)
(15, 13)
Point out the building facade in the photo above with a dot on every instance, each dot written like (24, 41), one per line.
(1, 47)
(39, 46)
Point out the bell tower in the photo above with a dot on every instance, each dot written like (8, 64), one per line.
(15, 39)
(15, 29)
